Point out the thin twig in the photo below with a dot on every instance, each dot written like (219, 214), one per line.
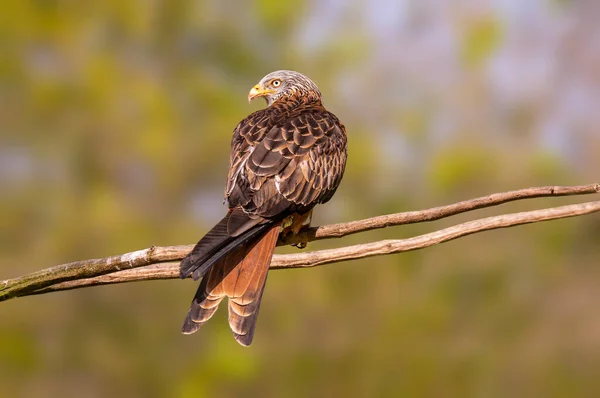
(89, 272)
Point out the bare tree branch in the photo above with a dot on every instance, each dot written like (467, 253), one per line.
(437, 213)
(158, 261)
(170, 270)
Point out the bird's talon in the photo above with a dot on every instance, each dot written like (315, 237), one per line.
(300, 245)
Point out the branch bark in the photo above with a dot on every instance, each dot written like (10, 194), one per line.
(158, 262)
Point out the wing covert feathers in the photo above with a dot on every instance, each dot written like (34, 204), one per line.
(290, 156)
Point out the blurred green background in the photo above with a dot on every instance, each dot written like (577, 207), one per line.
(115, 122)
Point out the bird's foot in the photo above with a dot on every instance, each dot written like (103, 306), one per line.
(293, 225)
(303, 237)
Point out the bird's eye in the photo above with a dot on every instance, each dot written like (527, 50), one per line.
(275, 83)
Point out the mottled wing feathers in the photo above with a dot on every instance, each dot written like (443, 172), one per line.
(286, 160)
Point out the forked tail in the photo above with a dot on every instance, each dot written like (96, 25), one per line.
(235, 267)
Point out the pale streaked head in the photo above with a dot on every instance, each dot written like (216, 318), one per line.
(284, 83)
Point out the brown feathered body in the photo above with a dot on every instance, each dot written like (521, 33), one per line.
(285, 159)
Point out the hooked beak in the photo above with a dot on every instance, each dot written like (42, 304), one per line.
(258, 92)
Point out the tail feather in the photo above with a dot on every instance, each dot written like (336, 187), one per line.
(228, 246)
(211, 246)
(210, 292)
(239, 275)
(242, 318)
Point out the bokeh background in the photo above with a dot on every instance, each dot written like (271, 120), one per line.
(115, 125)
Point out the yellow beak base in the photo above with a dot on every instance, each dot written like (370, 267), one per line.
(257, 91)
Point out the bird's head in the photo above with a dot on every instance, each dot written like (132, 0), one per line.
(284, 83)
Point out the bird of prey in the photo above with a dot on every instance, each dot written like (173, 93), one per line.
(285, 159)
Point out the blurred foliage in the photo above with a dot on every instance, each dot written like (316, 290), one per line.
(480, 40)
(115, 127)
